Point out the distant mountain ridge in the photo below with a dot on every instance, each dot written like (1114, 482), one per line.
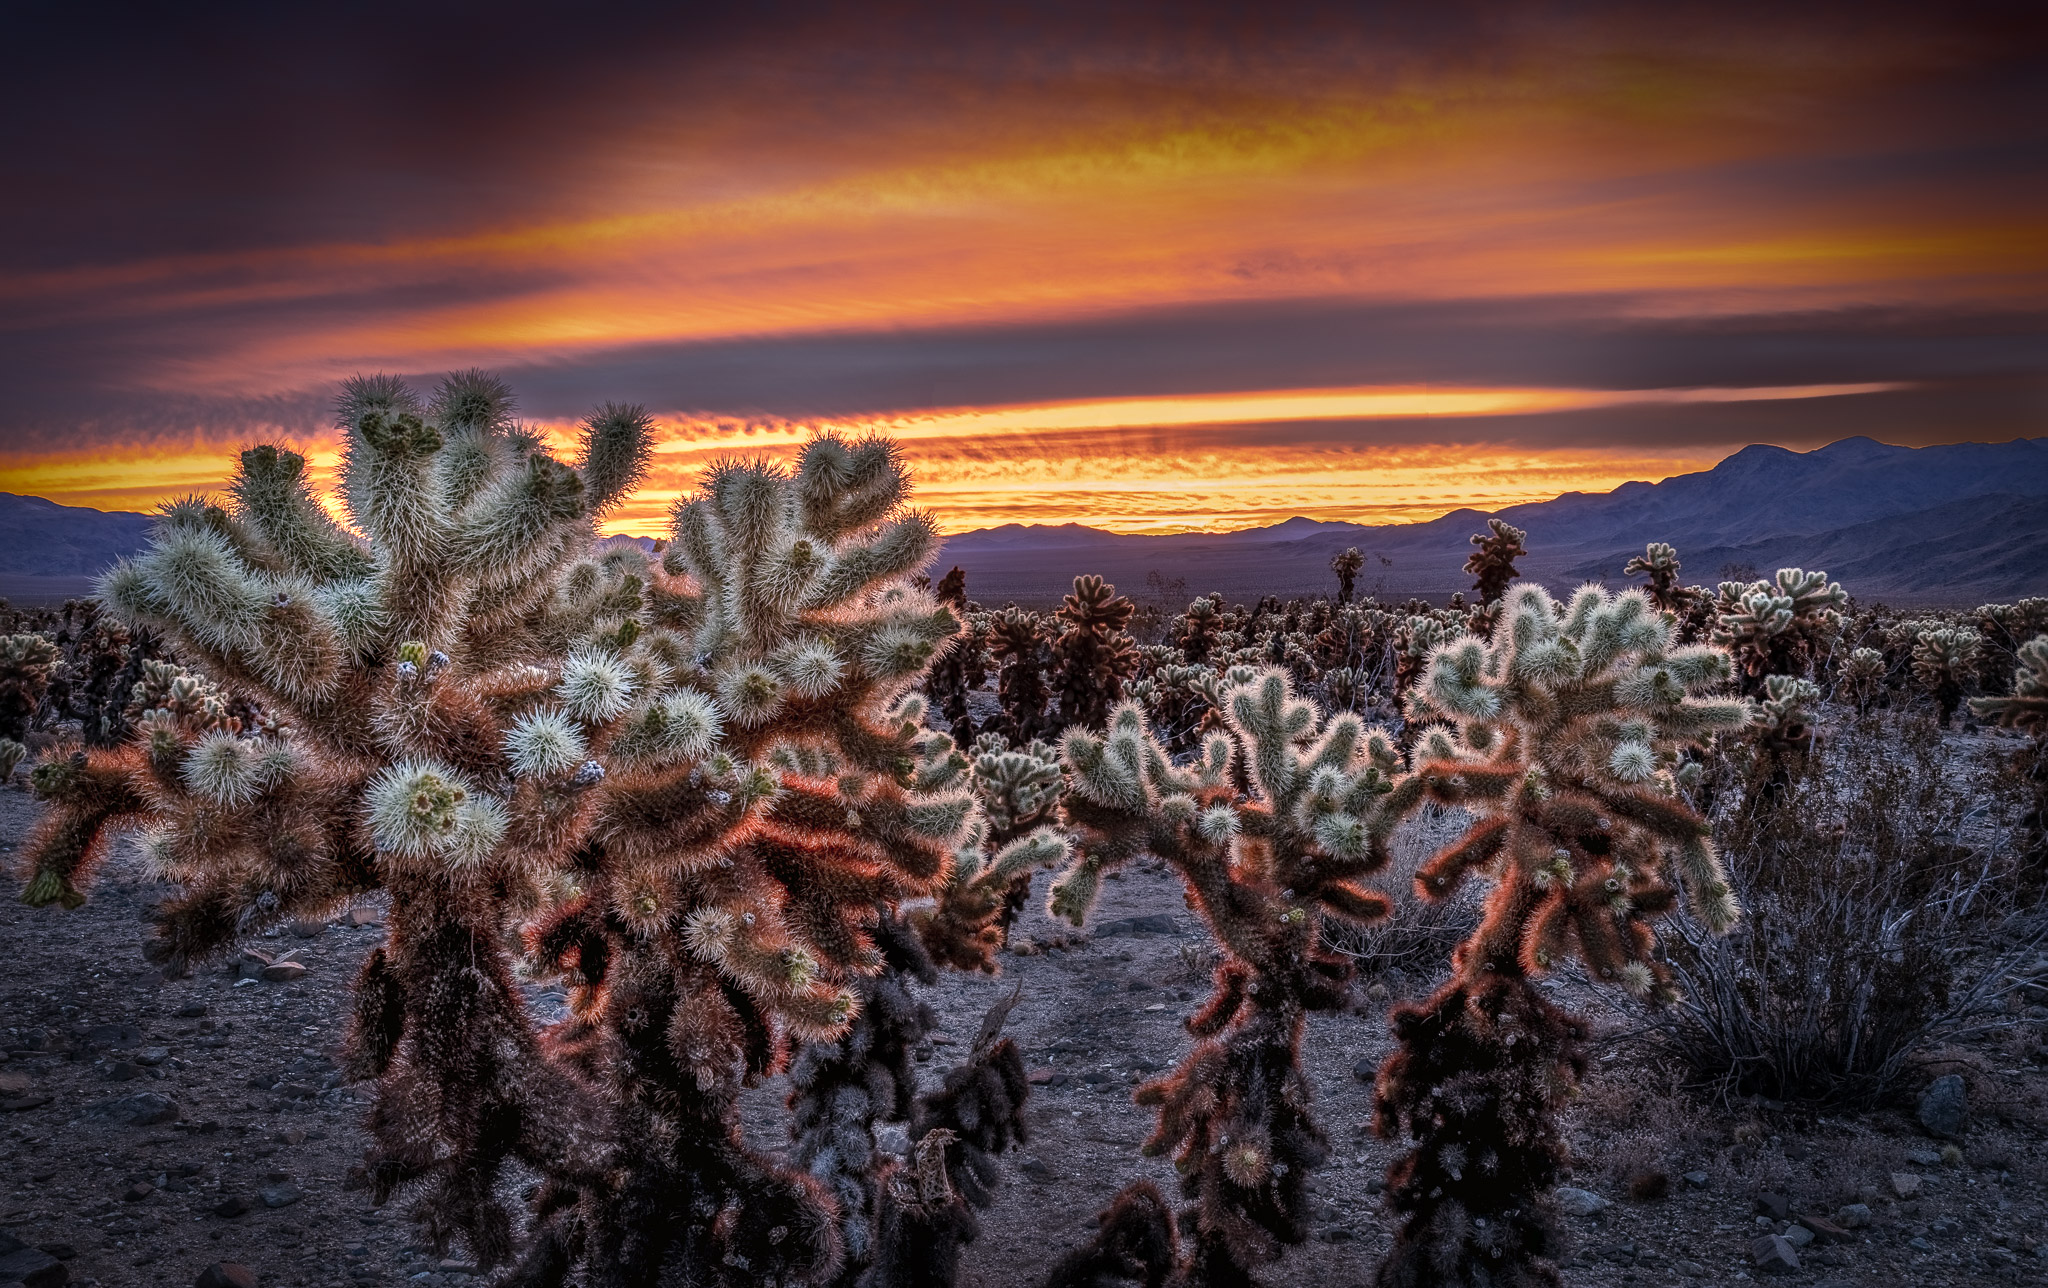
(1951, 523)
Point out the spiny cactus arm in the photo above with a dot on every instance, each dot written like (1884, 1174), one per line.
(2027, 708)
(1137, 1241)
(89, 793)
(846, 486)
(273, 499)
(618, 440)
(517, 523)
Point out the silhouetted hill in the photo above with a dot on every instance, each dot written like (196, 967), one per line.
(1952, 523)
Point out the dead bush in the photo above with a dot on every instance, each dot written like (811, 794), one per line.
(1880, 919)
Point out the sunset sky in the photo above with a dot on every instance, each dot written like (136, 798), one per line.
(1150, 268)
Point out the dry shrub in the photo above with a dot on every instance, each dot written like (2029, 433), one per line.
(1872, 930)
(1415, 940)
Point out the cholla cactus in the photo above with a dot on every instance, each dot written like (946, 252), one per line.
(1415, 642)
(1862, 678)
(2027, 708)
(964, 667)
(1346, 564)
(1011, 837)
(12, 754)
(1264, 873)
(2005, 627)
(1017, 641)
(1092, 656)
(1944, 658)
(697, 776)
(1564, 728)
(1197, 629)
(1493, 564)
(27, 663)
(1659, 564)
(1776, 627)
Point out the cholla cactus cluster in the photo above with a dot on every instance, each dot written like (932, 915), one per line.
(1264, 873)
(1018, 644)
(1346, 564)
(1862, 676)
(1944, 662)
(1659, 566)
(1092, 655)
(696, 780)
(1014, 835)
(1493, 563)
(1562, 742)
(27, 663)
(1777, 627)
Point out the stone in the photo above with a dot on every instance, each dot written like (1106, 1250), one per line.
(18, 1104)
(280, 1195)
(1824, 1230)
(1690, 1269)
(1918, 1244)
(123, 1071)
(309, 928)
(1365, 1070)
(1773, 1205)
(226, 1274)
(1773, 1254)
(1798, 1236)
(1698, 1180)
(143, 1109)
(137, 1192)
(1854, 1216)
(1041, 1076)
(116, 1036)
(283, 972)
(192, 1010)
(31, 1267)
(1034, 1170)
(250, 964)
(1945, 1107)
(1924, 1157)
(1578, 1202)
(1906, 1185)
(150, 1057)
(1159, 923)
(13, 1084)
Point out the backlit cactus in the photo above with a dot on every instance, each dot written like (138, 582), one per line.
(697, 779)
(1264, 872)
(1346, 563)
(1493, 563)
(1862, 678)
(1018, 643)
(1777, 627)
(1944, 660)
(1560, 739)
(27, 663)
(1092, 655)
(1659, 566)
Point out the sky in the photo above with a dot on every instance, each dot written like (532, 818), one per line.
(1143, 267)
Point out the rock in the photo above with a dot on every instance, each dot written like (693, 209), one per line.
(281, 1195)
(116, 1036)
(1698, 1180)
(1918, 1244)
(143, 1109)
(250, 964)
(1906, 1185)
(1773, 1205)
(1649, 1185)
(1034, 1170)
(192, 1010)
(1578, 1202)
(309, 928)
(1798, 1235)
(1945, 1108)
(1854, 1216)
(226, 1274)
(1041, 1076)
(13, 1084)
(232, 1205)
(30, 1267)
(1773, 1254)
(149, 1057)
(123, 1071)
(1159, 923)
(16, 1104)
(137, 1192)
(1366, 1070)
(283, 972)
(1826, 1231)
(1690, 1269)
(1924, 1157)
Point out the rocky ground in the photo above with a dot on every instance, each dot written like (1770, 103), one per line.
(150, 1127)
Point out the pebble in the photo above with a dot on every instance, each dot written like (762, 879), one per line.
(1698, 1180)
(282, 1195)
(1855, 1216)
(1906, 1185)
(1945, 1107)
(1578, 1202)
(152, 1056)
(1798, 1236)
(137, 1192)
(1365, 1070)
(1773, 1205)
(307, 928)
(1033, 1169)
(1923, 1157)
(283, 972)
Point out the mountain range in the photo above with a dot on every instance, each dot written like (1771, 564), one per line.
(1955, 524)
